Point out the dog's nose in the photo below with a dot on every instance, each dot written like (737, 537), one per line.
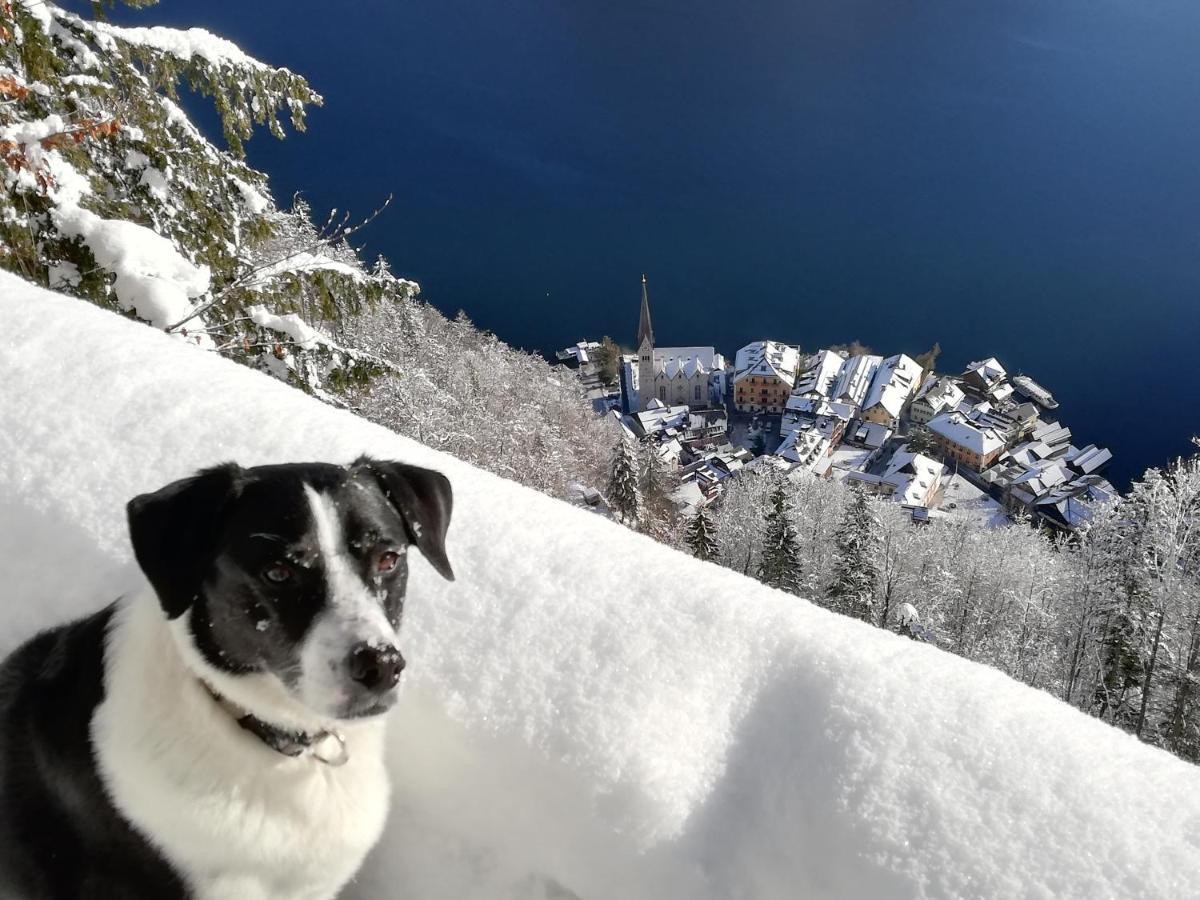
(376, 668)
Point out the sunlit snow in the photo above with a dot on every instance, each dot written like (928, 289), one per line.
(585, 712)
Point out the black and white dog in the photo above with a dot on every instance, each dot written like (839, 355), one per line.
(220, 736)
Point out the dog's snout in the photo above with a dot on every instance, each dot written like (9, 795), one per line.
(376, 668)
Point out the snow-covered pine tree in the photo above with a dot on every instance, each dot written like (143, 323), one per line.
(660, 513)
(1123, 622)
(1181, 710)
(780, 565)
(856, 575)
(624, 493)
(110, 193)
(701, 535)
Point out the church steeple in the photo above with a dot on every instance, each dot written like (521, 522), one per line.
(645, 329)
(646, 381)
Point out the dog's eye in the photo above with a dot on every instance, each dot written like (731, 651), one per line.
(387, 561)
(278, 573)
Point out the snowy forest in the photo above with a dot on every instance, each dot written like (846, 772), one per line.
(113, 195)
(1107, 620)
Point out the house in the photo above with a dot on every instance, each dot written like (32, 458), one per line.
(936, 396)
(870, 434)
(659, 421)
(987, 416)
(1090, 460)
(693, 427)
(985, 377)
(813, 440)
(694, 376)
(764, 375)
(896, 380)
(578, 355)
(1053, 435)
(818, 379)
(709, 471)
(854, 379)
(1073, 505)
(964, 441)
(1053, 482)
(911, 479)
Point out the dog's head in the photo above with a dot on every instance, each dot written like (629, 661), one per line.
(295, 573)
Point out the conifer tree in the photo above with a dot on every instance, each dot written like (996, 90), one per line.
(780, 563)
(701, 535)
(660, 514)
(624, 493)
(855, 574)
(109, 193)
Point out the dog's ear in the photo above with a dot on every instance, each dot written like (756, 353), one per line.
(424, 500)
(174, 533)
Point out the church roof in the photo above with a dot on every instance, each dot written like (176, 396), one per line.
(645, 329)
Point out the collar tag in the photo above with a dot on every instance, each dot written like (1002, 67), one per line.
(330, 748)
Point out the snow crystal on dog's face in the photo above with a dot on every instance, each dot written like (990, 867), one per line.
(309, 580)
(354, 617)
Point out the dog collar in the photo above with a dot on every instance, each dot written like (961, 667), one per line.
(326, 745)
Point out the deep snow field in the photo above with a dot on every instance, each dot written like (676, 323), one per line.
(587, 713)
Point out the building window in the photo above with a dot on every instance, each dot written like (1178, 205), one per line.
(697, 392)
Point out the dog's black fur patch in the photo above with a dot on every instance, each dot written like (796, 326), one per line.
(60, 836)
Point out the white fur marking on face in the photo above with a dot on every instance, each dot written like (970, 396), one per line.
(353, 615)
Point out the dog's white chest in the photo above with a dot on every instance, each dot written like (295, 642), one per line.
(235, 818)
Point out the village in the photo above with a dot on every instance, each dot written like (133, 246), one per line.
(979, 445)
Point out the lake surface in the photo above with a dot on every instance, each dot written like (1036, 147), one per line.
(1006, 177)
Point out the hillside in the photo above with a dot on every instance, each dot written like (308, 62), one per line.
(589, 713)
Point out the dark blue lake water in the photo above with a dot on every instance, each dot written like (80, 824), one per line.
(1006, 177)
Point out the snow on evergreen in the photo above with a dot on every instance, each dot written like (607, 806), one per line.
(855, 578)
(701, 535)
(780, 565)
(624, 487)
(587, 713)
(112, 195)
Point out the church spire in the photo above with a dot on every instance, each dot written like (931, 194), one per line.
(645, 329)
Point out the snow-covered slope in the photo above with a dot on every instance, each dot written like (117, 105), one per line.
(587, 713)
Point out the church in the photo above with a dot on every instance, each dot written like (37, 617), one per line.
(676, 376)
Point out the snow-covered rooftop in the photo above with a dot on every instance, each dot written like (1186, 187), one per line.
(941, 393)
(767, 358)
(854, 379)
(895, 381)
(988, 370)
(957, 428)
(914, 476)
(819, 378)
(687, 735)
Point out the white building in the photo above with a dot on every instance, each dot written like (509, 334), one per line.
(694, 376)
(911, 479)
(896, 380)
(935, 397)
(854, 379)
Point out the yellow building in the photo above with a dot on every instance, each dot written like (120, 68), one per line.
(764, 374)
